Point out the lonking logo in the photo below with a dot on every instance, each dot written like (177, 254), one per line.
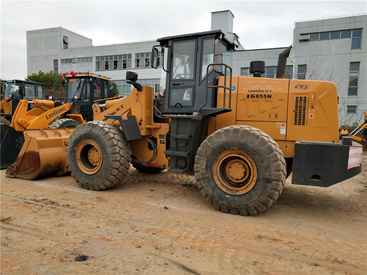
(55, 113)
(259, 91)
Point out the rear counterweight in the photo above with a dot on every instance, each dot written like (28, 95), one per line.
(324, 164)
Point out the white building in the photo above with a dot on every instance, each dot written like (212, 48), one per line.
(328, 49)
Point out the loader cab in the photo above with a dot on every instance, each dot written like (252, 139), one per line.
(197, 70)
(84, 89)
(15, 90)
(192, 64)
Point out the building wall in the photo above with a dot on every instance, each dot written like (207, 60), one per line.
(44, 46)
(330, 59)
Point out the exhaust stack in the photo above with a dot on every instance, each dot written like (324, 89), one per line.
(282, 60)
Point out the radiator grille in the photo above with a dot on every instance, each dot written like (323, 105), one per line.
(300, 107)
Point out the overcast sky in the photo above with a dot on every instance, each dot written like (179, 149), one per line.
(259, 24)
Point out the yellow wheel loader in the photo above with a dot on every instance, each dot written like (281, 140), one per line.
(82, 90)
(240, 136)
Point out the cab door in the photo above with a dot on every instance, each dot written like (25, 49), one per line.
(181, 91)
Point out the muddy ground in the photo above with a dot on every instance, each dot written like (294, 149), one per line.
(160, 224)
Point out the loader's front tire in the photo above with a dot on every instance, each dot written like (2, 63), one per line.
(240, 170)
(98, 155)
(64, 123)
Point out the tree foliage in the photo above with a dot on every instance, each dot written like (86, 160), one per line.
(51, 81)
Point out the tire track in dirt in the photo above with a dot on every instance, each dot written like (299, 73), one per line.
(165, 230)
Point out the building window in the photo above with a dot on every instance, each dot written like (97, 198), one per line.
(356, 39)
(353, 79)
(142, 60)
(56, 66)
(335, 35)
(324, 35)
(84, 59)
(351, 109)
(65, 42)
(314, 36)
(76, 60)
(355, 34)
(301, 74)
(346, 34)
(113, 62)
(288, 72)
(125, 88)
(245, 71)
(270, 72)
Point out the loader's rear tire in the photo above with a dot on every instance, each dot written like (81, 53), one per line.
(240, 170)
(64, 123)
(146, 169)
(98, 155)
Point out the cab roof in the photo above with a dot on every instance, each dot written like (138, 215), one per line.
(23, 81)
(218, 34)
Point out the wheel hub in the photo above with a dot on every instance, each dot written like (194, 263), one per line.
(89, 156)
(93, 156)
(235, 172)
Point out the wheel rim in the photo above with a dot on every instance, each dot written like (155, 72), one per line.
(235, 172)
(89, 157)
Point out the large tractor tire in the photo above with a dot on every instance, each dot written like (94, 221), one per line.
(98, 155)
(240, 170)
(64, 123)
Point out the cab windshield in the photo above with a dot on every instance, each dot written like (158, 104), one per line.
(74, 88)
(12, 88)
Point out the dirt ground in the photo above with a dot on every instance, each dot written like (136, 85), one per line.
(160, 224)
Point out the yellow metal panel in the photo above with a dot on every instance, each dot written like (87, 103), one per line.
(6, 106)
(287, 148)
(43, 120)
(313, 111)
(262, 99)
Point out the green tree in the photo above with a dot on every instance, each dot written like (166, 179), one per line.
(51, 81)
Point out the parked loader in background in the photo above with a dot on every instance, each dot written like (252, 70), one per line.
(359, 133)
(241, 136)
(82, 90)
(14, 91)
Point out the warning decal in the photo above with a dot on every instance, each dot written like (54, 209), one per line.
(355, 157)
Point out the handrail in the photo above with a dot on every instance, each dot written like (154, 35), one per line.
(225, 87)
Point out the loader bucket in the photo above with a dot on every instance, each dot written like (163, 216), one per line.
(43, 153)
(11, 143)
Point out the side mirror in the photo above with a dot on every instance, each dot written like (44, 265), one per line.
(131, 78)
(154, 58)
